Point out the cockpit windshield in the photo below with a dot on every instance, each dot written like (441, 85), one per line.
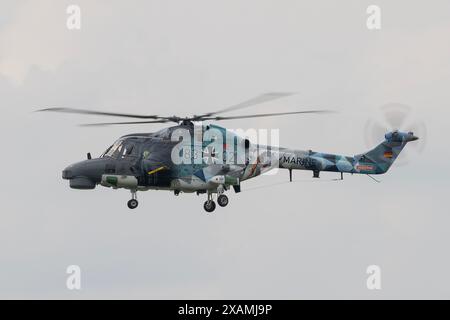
(114, 150)
(121, 149)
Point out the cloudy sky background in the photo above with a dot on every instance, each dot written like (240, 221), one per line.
(308, 239)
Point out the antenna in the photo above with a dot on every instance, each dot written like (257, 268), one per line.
(373, 178)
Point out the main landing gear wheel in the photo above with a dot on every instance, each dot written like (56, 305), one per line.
(132, 204)
(222, 200)
(209, 206)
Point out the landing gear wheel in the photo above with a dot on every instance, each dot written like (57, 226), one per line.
(222, 200)
(209, 206)
(132, 204)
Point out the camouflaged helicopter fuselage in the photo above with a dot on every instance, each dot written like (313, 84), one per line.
(147, 161)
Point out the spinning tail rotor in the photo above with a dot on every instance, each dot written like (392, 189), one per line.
(396, 117)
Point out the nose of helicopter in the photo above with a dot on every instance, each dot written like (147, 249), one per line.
(84, 175)
(67, 173)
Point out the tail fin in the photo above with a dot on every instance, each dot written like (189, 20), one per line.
(384, 155)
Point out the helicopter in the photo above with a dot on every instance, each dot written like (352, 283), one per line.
(194, 156)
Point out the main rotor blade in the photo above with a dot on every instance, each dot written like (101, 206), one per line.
(256, 100)
(101, 124)
(266, 115)
(101, 113)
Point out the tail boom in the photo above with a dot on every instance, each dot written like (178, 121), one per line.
(375, 161)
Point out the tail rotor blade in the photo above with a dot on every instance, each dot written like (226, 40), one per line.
(396, 115)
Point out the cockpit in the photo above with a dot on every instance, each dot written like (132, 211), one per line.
(121, 149)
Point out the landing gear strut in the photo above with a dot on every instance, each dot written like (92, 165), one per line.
(133, 203)
(222, 199)
(209, 204)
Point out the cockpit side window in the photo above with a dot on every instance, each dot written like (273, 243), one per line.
(128, 150)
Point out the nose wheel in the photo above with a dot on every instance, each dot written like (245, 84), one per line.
(133, 203)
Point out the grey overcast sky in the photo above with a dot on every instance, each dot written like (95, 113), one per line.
(308, 239)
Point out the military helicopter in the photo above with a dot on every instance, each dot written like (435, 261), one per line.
(195, 157)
